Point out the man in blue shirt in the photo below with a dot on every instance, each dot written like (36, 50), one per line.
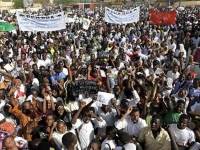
(57, 74)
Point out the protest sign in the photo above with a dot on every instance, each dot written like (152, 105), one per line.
(124, 17)
(86, 23)
(41, 23)
(102, 55)
(84, 86)
(104, 98)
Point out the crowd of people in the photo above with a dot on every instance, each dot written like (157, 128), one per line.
(152, 71)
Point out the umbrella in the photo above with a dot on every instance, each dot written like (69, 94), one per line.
(5, 26)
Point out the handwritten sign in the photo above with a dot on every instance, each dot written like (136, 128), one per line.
(102, 55)
(84, 86)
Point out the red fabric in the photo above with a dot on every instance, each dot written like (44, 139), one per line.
(197, 55)
(7, 126)
(163, 18)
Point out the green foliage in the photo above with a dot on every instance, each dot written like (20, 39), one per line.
(65, 2)
(18, 4)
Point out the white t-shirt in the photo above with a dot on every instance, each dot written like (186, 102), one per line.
(184, 136)
(108, 144)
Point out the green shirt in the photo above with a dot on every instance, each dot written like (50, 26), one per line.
(172, 117)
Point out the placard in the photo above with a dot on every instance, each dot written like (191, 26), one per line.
(104, 98)
(102, 55)
(84, 86)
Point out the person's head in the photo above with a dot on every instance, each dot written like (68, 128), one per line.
(180, 106)
(175, 68)
(171, 55)
(169, 102)
(124, 137)
(55, 93)
(116, 90)
(61, 63)
(57, 68)
(43, 146)
(23, 56)
(105, 108)
(183, 121)
(34, 56)
(35, 67)
(182, 77)
(69, 140)
(156, 64)
(182, 93)
(158, 97)
(196, 83)
(94, 145)
(61, 126)
(6, 110)
(42, 70)
(49, 120)
(154, 108)
(124, 106)
(2, 93)
(9, 143)
(111, 132)
(156, 122)
(26, 107)
(128, 93)
(60, 109)
(135, 114)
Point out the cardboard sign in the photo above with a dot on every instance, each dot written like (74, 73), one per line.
(84, 86)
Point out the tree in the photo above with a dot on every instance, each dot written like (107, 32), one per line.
(65, 2)
(18, 4)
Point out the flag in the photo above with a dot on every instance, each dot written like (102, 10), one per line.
(163, 18)
(86, 23)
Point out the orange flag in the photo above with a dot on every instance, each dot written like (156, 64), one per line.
(163, 18)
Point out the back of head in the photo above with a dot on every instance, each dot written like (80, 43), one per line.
(44, 146)
(68, 139)
(124, 137)
(111, 131)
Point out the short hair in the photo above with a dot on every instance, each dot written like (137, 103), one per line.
(111, 131)
(68, 139)
(128, 92)
(97, 142)
(180, 101)
(43, 146)
(124, 137)
(184, 116)
(157, 117)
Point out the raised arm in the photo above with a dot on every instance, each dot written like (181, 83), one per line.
(74, 119)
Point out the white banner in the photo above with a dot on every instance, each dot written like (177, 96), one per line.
(41, 23)
(124, 17)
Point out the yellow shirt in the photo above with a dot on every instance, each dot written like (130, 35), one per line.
(161, 142)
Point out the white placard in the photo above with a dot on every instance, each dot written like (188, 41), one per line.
(104, 98)
(125, 17)
(53, 22)
(86, 23)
